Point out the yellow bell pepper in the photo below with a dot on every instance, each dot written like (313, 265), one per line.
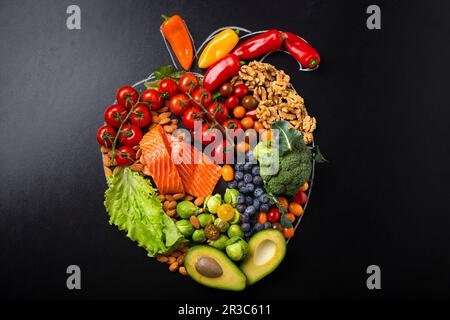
(218, 47)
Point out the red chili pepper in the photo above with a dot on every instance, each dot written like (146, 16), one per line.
(301, 50)
(221, 71)
(259, 45)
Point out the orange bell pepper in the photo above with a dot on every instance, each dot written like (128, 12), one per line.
(218, 47)
(175, 31)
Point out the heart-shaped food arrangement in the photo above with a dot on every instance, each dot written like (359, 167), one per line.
(211, 173)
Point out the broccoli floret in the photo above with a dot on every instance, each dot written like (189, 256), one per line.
(295, 170)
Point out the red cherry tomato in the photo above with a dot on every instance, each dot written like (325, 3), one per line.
(114, 115)
(240, 90)
(125, 94)
(152, 98)
(179, 103)
(168, 87)
(188, 83)
(209, 133)
(301, 197)
(141, 116)
(273, 215)
(232, 102)
(190, 116)
(223, 153)
(226, 89)
(217, 111)
(106, 135)
(232, 124)
(125, 156)
(130, 135)
(201, 96)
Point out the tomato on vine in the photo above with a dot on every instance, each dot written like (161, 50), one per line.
(168, 87)
(217, 111)
(179, 104)
(130, 135)
(106, 135)
(153, 99)
(190, 116)
(201, 96)
(188, 83)
(125, 155)
(115, 115)
(127, 96)
(141, 116)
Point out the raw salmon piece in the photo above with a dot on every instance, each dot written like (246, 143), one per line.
(158, 162)
(198, 172)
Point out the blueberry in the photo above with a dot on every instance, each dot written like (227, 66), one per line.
(258, 192)
(248, 234)
(257, 180)
(267, 225)
(243, 189)
(245, 227)
(240, 199)
(264, 207)
(250, 210)
(238, 167)
(255, 171)
(238, 175)
(248, 200)
(248, 167)
(258, 227)
(244, 218)
(240, 184)
(248, 178)
(233, 184)
(241, 207)
(264, 198)
(256, 204)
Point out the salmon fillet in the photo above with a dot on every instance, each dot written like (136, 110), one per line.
(198, 172)
(158, 162)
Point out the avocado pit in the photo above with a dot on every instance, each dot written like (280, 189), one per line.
(208, 267)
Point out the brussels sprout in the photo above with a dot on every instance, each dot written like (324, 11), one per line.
(219, 243)
(205, 219)
(212, 232)
(199, 235)
(212, 203)
(230, 196)
(222, 225)
(185, 209)
(235, 231)
(185, 227)
(236, 218)
(237, 249)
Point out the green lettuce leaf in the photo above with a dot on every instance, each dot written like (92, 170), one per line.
(134, 207)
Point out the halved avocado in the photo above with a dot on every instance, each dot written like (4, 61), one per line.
(266, 251)
(211, 267)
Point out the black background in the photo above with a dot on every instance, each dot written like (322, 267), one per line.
(380, 97)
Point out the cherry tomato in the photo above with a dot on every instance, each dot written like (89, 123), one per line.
(273, 215)
(201, 96)
(217, 111)
(247, 123)
(141, 116)
(251, 114)
(284, 203)
(240, 90)
(258, 126)
(232, 102)
(106, 135)
(130, 135)
(188, 83)
(190, 115)
(226, 89)
(288, 232)
(223, 152)
(304, 187)
(114, 115)
(301, 197)
(227, 173)
(277, 226)
(296, 209)
(249, 102)
(152, 98)
(168, 87)
(125, 156)
(208, 134)
(179, 103)
(127, 96)
(239, 112)
(242, 147)
(232, 124)
(262, 217)
(290, 216)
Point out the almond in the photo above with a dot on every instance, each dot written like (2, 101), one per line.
(169, 197)
(164, 121)
(166, 204)
(139, 154)
(137, 167)
(170, 129)
(174, 121)
(185, 249)
(178, 196)
(173, 267)
(104, 149)
(172, 205)
(176, 254)
(199, 201)
(171, 213)
(195, 222)
(162, 259)
(180, 259)
(183, 271)
(155, 119)
(162, 197)
(107, 161)
(171, 260)
(188, 197)
(165, 108)
(165, 115)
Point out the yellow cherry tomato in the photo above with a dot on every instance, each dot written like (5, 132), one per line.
(258, 126)
(247, 122)
(239, 112)
(226, 212)
(304, 187)
(296, 209)
(227, 173)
